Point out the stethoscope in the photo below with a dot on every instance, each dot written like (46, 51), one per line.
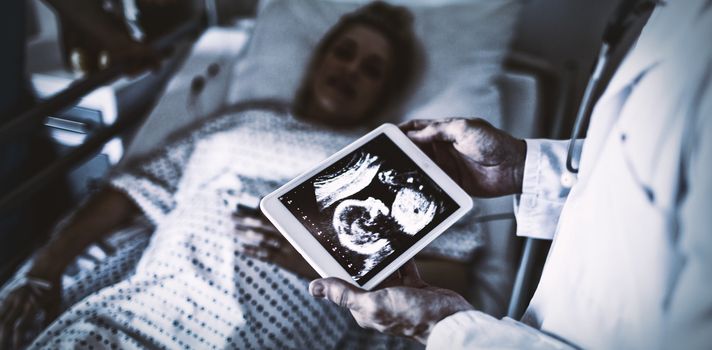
(626, 13)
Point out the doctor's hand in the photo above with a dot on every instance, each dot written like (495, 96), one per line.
(404, 305)
(485, 161)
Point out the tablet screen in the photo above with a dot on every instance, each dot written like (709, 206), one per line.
(369, 207)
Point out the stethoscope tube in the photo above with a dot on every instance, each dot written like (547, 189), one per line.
(627, 10)
(584, 112)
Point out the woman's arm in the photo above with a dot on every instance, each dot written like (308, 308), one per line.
(40, 293)
(102, 213)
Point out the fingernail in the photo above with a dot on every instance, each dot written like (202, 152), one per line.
(316, 289)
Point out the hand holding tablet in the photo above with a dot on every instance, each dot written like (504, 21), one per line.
(366, 210)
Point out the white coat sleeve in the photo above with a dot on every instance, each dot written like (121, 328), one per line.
(688, 318)
(539, 205)
(478, 330)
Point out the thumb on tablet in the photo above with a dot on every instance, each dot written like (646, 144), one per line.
(337, 291)
(415, 124)
(445, 130)
(429, 134)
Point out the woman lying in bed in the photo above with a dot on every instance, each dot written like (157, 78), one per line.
(198, 283)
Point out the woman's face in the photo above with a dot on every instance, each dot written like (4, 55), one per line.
(351, 75)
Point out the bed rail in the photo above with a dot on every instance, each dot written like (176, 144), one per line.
(67, 98)
(34, 117)
(553, 94)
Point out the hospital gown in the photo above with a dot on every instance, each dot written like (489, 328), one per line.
(191, 288)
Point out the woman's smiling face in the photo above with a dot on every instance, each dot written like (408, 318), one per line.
(351, 76)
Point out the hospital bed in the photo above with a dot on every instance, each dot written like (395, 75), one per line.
(241, 62)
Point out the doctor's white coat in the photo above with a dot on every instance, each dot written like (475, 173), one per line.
(631, 262)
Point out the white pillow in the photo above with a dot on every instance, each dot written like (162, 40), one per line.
(463, 42)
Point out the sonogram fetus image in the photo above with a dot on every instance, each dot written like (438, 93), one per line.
(368, 205)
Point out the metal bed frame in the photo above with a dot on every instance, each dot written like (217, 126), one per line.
(553, 92)
(66, 98)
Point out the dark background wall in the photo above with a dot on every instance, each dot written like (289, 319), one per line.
(567, 34)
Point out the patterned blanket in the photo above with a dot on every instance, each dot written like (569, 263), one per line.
(184, 285)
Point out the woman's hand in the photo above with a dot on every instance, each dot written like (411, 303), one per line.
(259, 239)
(19, 311)
(100, 215)
(404, 305)
(484, 160)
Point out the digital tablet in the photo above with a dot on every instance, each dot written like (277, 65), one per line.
(363, 212)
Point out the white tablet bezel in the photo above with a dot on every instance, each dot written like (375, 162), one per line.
(316, 255)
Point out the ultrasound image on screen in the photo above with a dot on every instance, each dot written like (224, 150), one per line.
(369, 207)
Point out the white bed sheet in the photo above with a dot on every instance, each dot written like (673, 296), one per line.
(509, 102)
